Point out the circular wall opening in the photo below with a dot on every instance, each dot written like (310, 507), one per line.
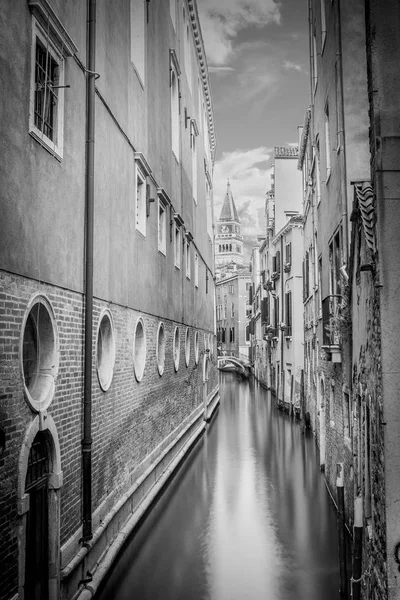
(196, 347)
(161, 348)
(139, 350)
(176, 348)
(39, 353)
(105, 351)
(187, 347)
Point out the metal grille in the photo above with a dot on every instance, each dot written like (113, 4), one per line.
(38, 462)
(46, 99)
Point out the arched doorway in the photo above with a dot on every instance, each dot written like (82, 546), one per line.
(321, 407)
(37, 521)
(39, 490)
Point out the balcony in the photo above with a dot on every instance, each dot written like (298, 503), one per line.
(331, 334)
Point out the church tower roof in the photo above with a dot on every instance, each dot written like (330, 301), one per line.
(229, 212)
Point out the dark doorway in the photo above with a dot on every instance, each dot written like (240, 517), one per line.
(37, 525)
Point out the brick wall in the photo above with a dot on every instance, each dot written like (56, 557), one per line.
(130, 421)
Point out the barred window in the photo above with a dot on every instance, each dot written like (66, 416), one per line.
(46, 91)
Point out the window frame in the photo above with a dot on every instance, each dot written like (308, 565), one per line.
(140, 220)
(196, 270)
(53, 146)
(187, 259)
(174, 83)
(139, 65)
(177, 246)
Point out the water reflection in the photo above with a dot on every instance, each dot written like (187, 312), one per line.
(247, 517)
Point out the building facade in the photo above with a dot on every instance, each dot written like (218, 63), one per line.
(107, 290)
(349, 158)
(232, 282)
(228, 238)
(277, 276)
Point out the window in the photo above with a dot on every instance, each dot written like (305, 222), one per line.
(323, 24)
(317, 171)
(232, 310)
(288, 311)
(315, 61)
(335, 261)
(187, 256)
(209, 206)
(177, 246)
(162, 227)
(288, 253)
(140, 208)
(176, 348)
(39, 353)
(172, 10)
(186, 42)
(105, 351)
(231, 289)
(139, 350)
(346, 414)
(187, 347)
(160, 349)
(47, 94)
(327, 144)
(194, 166)
(175, 108)
(196, 270)
(137, 37)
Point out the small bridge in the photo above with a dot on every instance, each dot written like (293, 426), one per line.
(233, 363)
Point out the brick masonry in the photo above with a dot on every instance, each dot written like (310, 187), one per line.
(131, 421)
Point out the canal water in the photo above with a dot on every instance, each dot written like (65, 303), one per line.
(247, 516)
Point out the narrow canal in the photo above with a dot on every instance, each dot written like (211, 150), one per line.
(247, 516)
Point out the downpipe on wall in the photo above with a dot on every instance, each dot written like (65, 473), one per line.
(87, 533)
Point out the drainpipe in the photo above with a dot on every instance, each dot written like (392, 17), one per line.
(87, 399)
(343, 178)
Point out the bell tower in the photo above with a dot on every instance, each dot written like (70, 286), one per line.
(228, 239)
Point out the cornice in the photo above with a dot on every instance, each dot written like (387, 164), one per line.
(198, 39)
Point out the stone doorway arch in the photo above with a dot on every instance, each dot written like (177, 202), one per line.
(39, 488)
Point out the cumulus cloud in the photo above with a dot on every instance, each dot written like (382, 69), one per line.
(221, 23)
(249, 174)
(292, 66)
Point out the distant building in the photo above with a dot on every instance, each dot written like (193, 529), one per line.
(277, 277)
(232, 282)
(107, 288)
(228, 239)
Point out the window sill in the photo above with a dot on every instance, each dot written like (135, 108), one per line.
(163, 252)
(175, 157)
(328, 175)
(143, 235)
(47, 144)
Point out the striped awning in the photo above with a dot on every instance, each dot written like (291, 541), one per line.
(366, 204)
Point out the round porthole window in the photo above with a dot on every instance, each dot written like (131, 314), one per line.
(39, 353)
(187, 347)
(105, 351)
(196, 347)
(161, 348)
(139, 350)
(176, 348)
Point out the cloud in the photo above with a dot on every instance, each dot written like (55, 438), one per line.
(221, 22)
(220, 70)
(249, 175)
(292, 66)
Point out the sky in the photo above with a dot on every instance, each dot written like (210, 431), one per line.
(257, 54)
